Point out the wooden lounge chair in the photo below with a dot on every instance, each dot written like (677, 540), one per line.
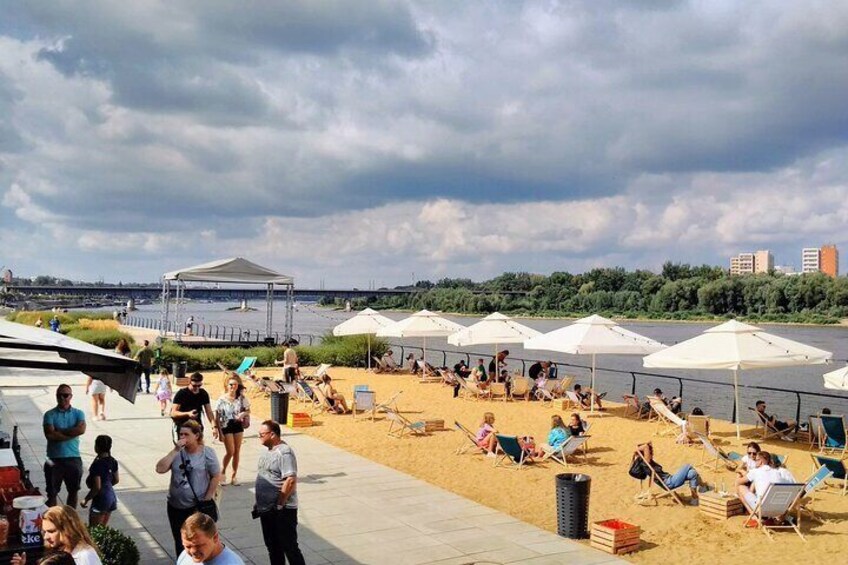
(307, 395)
(468, 387)
(713, 456)
(448, 377)
(520, 388)
(469, 441)
(544, 395)
(320, 371)
(364, 401)
(566, 450)
(511, 456)
(775, 508)
(833, 438)
(497, 390)
(837, 468)
(325, 402)
(815, 432)
(816, 481)
(667, 421)
(647, 495)
(390, 404)
(765, 428)
(400, 425)
(572, 401)
(377, 365)
(698, 425)
(632, 406)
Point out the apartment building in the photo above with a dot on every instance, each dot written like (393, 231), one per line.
(750, 263)
(810, 260)
(829, 260)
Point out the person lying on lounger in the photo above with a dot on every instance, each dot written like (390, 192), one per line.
(685, 473)
(486, 435)
(785, 427)
(586, 394)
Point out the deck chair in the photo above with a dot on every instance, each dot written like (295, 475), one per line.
(567, 449)
(814, 429)
(779, 503)
(448, 377)
(816, 481)
(468, 387)
(562, 384)
(469, 441)
(647, 495)
(572, 400)
(544, 395)
(520, 388)
(358, 388)
(390, 404)
(632, 405)
(325, 402)
(400, 425)
(246, 365)
(511, 456)
(765, 428)
(667, 421)
(713, 456)
(365, 401)
(497, 390)
(698, 425)
(836, 467)
(378, 366)
(833, 438)
(320, 371)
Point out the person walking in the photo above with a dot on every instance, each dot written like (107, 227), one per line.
(102, 476)
(289, 363)
(96, 390)
(190, 402)
(163, 390)
(62, 427)
(232, 412)
(276, 496)
(203, 543)
(195, 474)
(144, 356)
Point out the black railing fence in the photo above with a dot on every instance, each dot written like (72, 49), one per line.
(715, 398)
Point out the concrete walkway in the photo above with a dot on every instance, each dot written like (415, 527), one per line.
(352, 510)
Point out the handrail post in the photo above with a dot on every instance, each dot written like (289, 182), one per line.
(468, 359)
(523, 367)
(680, 389)
(632, 383)
(798, 408)
(444, 358)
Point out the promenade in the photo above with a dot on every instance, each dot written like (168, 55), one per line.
(352, 510)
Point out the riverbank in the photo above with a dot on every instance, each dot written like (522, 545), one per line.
(671, 533)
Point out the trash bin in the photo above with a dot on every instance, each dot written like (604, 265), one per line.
(572, 495)
(178, 369)
(280, 407)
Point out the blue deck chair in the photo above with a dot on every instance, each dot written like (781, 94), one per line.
(816, 481)
(364, 401)
(358, 388)
(835, 466)
(833, 428)
(511, 453)
(778, 502)
(246, 365)
(400, 425)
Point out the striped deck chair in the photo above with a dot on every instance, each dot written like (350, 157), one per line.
(777, 505)
(572, 401)
(512, 456)
(647, 495)
(632, 406)
(833, 438)
(667, 421)
(400, 425)
(836, 467)
(713, 456)
(469, 441)
(816, 481)
(566, 450)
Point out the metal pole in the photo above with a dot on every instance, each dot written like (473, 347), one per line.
(269, 309)
(736, 402)
(592, 396)
(369, 351)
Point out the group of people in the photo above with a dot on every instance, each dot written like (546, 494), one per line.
(486, 435)
(195, 474)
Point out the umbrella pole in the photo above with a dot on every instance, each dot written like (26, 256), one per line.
(592, 396)
(424, 359)
(736, 393)
(369, 352)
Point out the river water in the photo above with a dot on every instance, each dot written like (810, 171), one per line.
(712, 398)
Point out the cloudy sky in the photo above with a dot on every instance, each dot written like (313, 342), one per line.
(353, 142)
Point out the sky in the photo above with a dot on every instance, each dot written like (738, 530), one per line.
(378, 143)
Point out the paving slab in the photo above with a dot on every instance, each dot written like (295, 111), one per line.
(352, 510)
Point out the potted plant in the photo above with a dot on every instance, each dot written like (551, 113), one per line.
(115, 547)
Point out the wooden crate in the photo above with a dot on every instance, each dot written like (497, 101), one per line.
(718, 507)
(299, 420)
(614, 536)
(182, 382)
(434, 425)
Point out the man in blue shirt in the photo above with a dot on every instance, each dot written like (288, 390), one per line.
(62, 427)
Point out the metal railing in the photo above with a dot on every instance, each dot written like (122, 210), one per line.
(218, 332)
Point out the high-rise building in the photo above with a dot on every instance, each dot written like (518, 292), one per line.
(829, 260)
(810, 260)
(763, 261)
(749, 263)
(7, 276)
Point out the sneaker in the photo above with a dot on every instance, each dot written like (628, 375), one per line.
(704, 488)
(693, 502)
(786, 438)
(161, 412)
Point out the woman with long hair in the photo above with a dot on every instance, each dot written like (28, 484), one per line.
(195, 473)
(232, 411)
(102, 476)
(63, 530)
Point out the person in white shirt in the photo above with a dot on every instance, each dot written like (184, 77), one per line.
(751, 487)
(203, 544)
(749, 460)
(63, 530)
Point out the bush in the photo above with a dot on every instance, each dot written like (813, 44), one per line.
(115, 547)
(348, 351)
(65, 318)
(107, 339)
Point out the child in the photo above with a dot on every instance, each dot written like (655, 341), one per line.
(485, 436)
(163, 390)
(102, 476)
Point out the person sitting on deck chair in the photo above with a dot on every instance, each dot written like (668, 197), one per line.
(334, 397)
(558, 435)
(586, 394)
(685, 473)
(486, 435)
(389, 362)
(753, 485)
(480, 375)
(784, 427)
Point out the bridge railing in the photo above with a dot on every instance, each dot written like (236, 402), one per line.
(218, 331)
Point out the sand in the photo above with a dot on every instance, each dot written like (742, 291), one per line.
(671, 533)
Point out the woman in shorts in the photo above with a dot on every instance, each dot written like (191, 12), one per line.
(232, 411)
(102, 476)
(163, 390)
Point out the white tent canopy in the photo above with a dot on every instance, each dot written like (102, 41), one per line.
(593, 335)
(117, 371)
(366, 322)
(235, 270)
(735, 346)
(422, 324)
(837, 380)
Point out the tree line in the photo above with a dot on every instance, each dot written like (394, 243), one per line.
(679, 292)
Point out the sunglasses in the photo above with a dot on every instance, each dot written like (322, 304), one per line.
(196, 383)
(752, 453)
(64, 394)
(232, 384)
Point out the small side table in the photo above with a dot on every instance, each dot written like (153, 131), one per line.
(720, 507)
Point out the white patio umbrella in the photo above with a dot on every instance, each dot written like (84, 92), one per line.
(422, 324)
(494, 328)
(735, 346)
(591, 336)
(366, 322)
(837, 380)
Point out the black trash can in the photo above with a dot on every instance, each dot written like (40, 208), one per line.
(280, 407)
(572, 495)
(179, 369)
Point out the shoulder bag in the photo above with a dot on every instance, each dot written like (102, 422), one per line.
(207, 507)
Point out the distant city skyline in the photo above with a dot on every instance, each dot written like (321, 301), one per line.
(445, 139)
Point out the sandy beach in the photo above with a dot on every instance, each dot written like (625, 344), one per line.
(671, 533)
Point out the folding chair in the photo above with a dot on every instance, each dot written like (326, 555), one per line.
(816, 481)
(667, 421)
(698, 425)
(836, 467)
(776, 506)
(544, 395)
(469, 440)
(562, 384)
(648, 495)
(469, 387)
(713, 455)
(765, 428)
(364, 400)
(358, 388)
(399, 425)
(320, 371)
(520, 387)
(326, 406)
(246, 365)
(567, 449)
(632, 404)
(572, 400)
(512, 455)
(814, 429)
(390, 404)
(833, 438)
(378, 366)
(497, 390)
(448, 377)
